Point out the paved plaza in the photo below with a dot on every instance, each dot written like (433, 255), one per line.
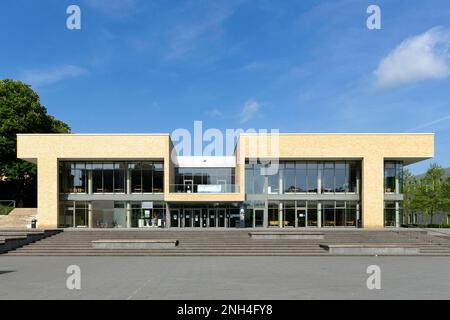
(224, 277)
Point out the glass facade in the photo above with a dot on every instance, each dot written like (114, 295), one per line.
(111, 214)
(393, 214)
(339, 213)
(146, 177)
(304, 184)
(144, 215)
(111, 177)
(204, 180)
(73, 214)
(73, 177)
(303, 177)
(393, 177)
(303, 213)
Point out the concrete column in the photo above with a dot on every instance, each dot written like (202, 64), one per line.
(90, 188)
(319, 214)
(128, 209)
(167, 216)
(280, 182)
(128, 186)
(358, 214)
(319, 179)
(372, 196)
(397, 214)
(48, 192)
(358, 182)
(397, 185)
(280, 215)
(90, 218)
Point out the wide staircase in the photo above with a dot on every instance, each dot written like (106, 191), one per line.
(18, 218)
(73, 242)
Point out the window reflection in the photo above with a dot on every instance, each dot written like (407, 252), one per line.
(111, 177)
(303, 177)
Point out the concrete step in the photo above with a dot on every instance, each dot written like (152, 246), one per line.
(223, 242)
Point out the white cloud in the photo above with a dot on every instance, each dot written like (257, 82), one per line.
(49, 76)
(214, 113)
(251, 109)
(425, 56)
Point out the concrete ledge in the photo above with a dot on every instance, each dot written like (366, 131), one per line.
(371, 249)
(134, 244)
(274, 235)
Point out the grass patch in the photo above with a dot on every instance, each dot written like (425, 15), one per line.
(5, 210)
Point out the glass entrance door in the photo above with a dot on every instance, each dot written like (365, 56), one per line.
(221, 217)
(175, 219)
(212, 217)
(187, 218)
(301, 218)
(259, 218)
(196, 218)
(68, 217)
(204, 219)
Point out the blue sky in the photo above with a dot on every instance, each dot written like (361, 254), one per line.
(297, 66)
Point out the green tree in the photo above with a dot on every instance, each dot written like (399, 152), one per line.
(409, 185)
(446, 198)
(21, 111)
(429, 195)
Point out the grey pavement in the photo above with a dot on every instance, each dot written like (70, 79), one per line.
(225, 278)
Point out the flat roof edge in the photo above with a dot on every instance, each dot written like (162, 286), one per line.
(94, 134)
(341, 134)
(243, 134)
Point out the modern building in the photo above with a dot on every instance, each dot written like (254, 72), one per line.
(271, 181)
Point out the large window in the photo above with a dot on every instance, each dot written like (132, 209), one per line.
(328, 177)
(339, 213)
(273, 214)
(301, 182)
(111, 177)
(146, 177)
(311, 213)
(143, 215)
(73, 214)
(393, 213)
(340, 176)
(205, 180)
(73, 177)
(303, 177)
(312, 172)
(393, 177)
(108, 177)
(289, 177)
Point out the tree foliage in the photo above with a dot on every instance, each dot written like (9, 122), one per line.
(21, 111)
(431, 193)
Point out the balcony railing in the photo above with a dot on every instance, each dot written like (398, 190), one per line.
(204, 188)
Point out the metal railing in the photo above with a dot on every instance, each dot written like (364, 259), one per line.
(6, 206)
(204, 188)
